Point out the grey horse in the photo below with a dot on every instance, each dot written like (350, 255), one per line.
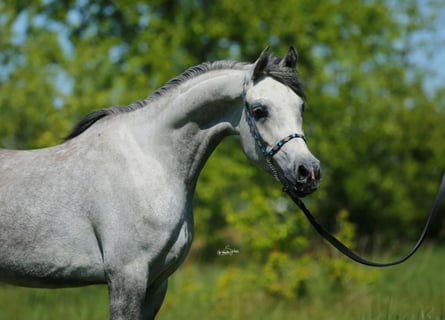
(113, 203)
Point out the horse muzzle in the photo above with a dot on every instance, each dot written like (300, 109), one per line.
(305, 180)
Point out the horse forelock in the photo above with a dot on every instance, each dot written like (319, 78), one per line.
(285, 75)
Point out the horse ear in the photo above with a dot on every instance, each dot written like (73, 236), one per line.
(261, 64)
(291, 59)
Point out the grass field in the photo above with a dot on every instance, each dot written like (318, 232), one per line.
(414, 290)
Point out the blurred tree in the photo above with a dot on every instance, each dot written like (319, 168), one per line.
(369, 119)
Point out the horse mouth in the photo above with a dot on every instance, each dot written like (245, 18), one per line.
(302, 190)
(304, 187)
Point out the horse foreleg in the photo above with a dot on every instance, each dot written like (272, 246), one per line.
(128, 293)
(130, 299)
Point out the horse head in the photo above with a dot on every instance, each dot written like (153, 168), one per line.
(271, 127)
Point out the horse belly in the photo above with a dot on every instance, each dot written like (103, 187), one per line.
(44, 274)
(43, 253)
(50, 267)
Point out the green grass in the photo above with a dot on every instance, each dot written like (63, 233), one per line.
(412, 291)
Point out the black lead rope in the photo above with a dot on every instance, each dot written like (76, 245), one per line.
(347, 252)
(268, 154)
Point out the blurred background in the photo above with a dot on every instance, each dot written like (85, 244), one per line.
(374, 76)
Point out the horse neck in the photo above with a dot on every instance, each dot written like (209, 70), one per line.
(187, 123)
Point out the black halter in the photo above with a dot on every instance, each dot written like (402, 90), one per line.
(259, 140)
(268, 154)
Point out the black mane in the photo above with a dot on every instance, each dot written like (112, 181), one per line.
(285, 75)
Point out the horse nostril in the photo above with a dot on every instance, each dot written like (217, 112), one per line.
(306, 174)
(303, 173)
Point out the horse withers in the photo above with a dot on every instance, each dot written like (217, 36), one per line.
(113, 203)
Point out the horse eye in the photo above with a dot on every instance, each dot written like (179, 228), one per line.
(260, 112)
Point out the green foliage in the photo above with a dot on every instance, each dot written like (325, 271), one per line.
(44, 304)
(281, 260)
(369, 119)
(412, 291)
